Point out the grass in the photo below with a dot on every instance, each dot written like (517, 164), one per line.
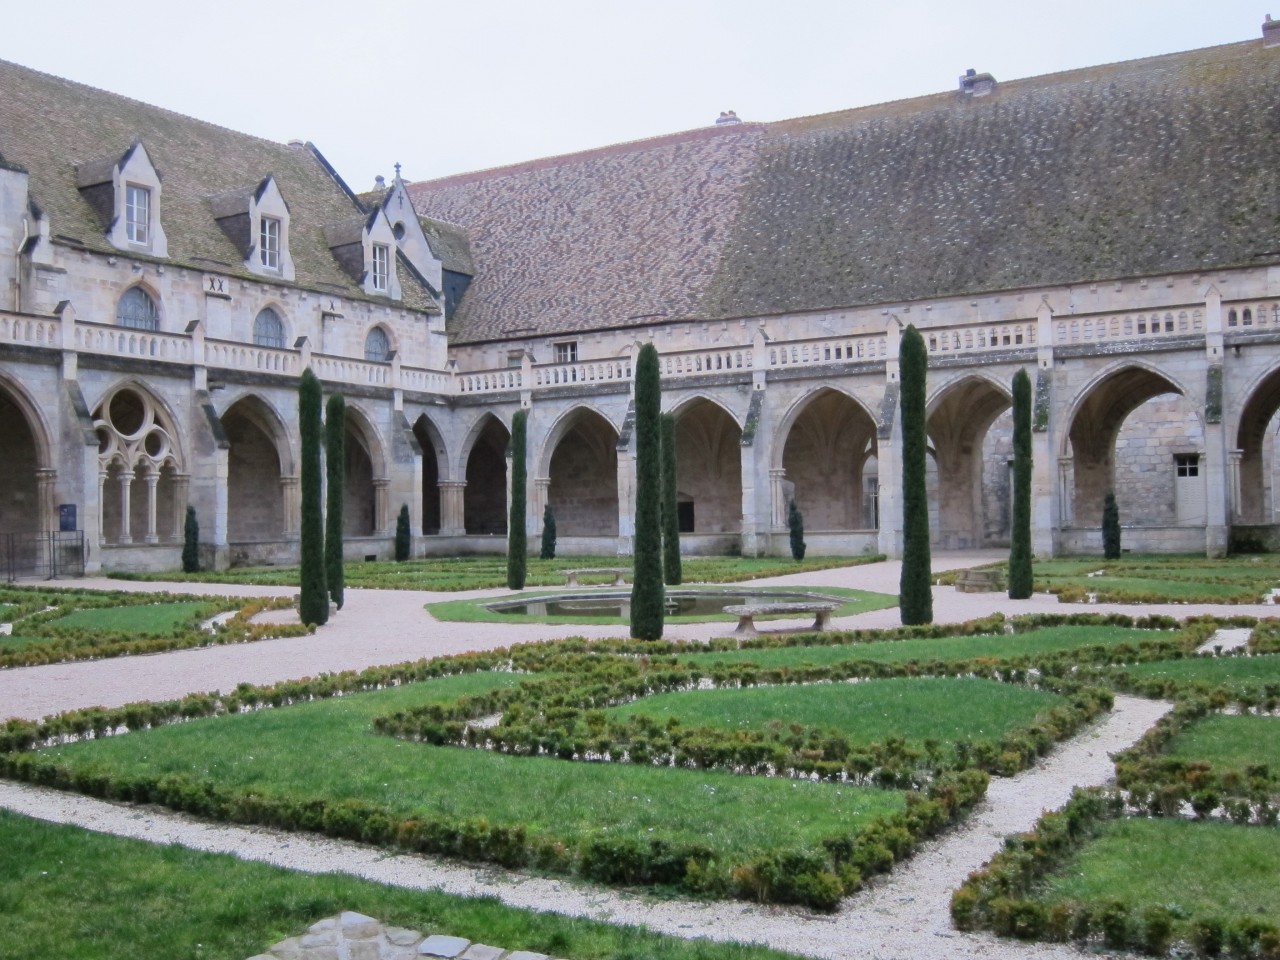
(490, 572)
(1153, 579)
(274, 752)
(855, 601)
(997, 647)
(152, 618)
(66, 891)
(1203, 868)
(1233, 673)
(1230, 741)
(920, 708)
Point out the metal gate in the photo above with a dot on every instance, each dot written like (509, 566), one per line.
(47, 555)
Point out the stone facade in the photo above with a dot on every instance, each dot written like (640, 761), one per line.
(138, 376)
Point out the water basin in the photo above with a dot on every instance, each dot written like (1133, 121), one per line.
(680, 603)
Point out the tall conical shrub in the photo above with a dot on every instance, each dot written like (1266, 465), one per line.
(1110, 527)
(548, 551)
(1020, 578)
(335, 460)
(647, 594)
(915, 599)
(671, 569)
(191, 542)
(517, 536)
(313, 604)
(795, 525)
(404, 534)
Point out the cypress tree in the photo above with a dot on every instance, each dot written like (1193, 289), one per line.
(1110, 527)
(403, 534)
(313, 605)
(548, 551)
(191, 542)
(671, 571)
(1020, 579)
(517, 536)
(335, 434)
(647, 594)
(795, 523)
(915, 599)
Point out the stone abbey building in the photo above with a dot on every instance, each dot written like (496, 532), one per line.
(1113, 230)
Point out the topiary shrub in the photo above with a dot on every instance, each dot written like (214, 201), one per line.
(915, 591)
(403, 534)
(313, 603)
(517, 535)
(191, 542)
(1020, 578)
(1110, 528)
(548, 548)
(335, 432)
(671, 569)
(647, 593)
(795, 524)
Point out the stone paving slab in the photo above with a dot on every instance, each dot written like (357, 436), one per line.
(354, 936)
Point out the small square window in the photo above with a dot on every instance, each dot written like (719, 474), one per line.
(1187, 464)
(567, 352)
(269, 243)
(515, 358)
(137, 214)
(381, 265)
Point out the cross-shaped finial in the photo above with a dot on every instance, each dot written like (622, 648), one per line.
(397, 171)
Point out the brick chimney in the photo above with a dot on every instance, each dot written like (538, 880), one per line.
(1270, 32)
(974, 84)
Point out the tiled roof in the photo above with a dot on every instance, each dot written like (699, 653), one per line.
(49, 126)
(450, 244)
(1152, 166)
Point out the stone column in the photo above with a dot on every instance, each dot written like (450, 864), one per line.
(292, 509)
(45, 479)
(452, 520)
(626, 501)
(1233, 464)
(102, 520)
(1066, 499)
(381, 502)
(181, 490)
(777, 498)
(152, 476)
(126, 503)
(541, 497)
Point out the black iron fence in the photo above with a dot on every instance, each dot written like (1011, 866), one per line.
(47, 555)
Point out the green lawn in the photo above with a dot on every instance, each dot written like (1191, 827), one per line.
(1235, 673)
(488, 572)
(67, 892)
(152, 618)
(1230, 741)
(275, 752)
(855, 601)
(1148, 578)
(1204, 868)
(996, 646)
(938, 708)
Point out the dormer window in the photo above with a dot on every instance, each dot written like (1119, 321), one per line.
(137, 213)
(381, 266)
(269, 243)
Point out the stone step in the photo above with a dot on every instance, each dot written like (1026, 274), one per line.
(353, 936)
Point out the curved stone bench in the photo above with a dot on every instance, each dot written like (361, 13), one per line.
(747, 612)
(619, 575)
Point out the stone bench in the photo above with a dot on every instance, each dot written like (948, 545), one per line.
(981, 581)
(619, 575)
(747, 612)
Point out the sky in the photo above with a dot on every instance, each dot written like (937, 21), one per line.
(445, 88)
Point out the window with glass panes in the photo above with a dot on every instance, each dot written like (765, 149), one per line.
(269, 243)
(137, 214)
(381, 265)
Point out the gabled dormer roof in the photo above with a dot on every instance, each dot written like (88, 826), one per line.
(56, 129)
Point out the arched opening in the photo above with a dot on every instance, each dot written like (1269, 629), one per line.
(359, 498)
(584, 476)
(708, 469)
(1136, 435)
(424, 431)
(959, 421)
(826, 451)
(20, 507)
(1256, 441)
(484, 500)
(255, 495)
(139, 469)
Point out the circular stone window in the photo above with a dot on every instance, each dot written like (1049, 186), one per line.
(128, 413)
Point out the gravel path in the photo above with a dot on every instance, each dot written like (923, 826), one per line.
(905, 916)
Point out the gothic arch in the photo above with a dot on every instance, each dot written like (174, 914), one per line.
(708, 467)
(435, 468)
(581, 457)
(259, 458)
(798, 407)
(684, 403)
(1255, 439)
(560, 426)
(484, 498)
(364, 474)
(26, 478)
(822, 446)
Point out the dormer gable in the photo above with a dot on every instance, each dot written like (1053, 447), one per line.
(410, 238)
(124, 192)
(256, 220)
(366, 248)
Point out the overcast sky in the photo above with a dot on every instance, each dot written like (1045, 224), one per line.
(447, 87)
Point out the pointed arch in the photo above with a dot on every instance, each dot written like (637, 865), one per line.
(484, 498)
(364, 470)
(435, 468)
(581, 466)
(26, 505)
(1256, 438)
(259, 458)
(708, 467)
(822, 446)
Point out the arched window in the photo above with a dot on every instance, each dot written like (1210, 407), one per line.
(376, 346)
(137, 310)
(268, 331)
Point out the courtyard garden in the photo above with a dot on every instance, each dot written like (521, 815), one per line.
(1247, 578)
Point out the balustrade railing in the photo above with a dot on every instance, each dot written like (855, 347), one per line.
(103, 338)
(1148, 325)
(36, 331)
(870, 346)
(585, 371)
(980, 338)
(247, 356)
